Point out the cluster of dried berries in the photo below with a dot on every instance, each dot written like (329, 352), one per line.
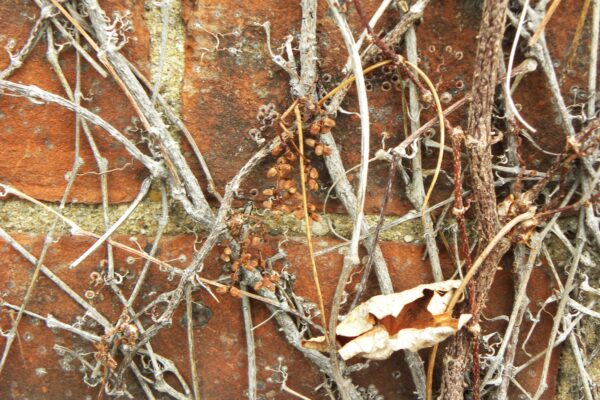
(286, 196)
(251, 255)
(124, 333)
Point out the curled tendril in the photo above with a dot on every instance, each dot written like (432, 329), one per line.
(414, 145)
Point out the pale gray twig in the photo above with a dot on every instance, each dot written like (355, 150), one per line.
(511, 59)
(33, 92)
(162, 223)
(569, 286)
(152, 120)
(17, 60)
(165, 8)
(364, 127)
(247, 313)
(145, 187)
(190, 337)
(416, 190)
(308, 50)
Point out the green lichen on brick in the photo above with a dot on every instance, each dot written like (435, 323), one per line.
(24, 217)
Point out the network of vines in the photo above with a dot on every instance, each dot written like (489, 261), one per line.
(500, 206)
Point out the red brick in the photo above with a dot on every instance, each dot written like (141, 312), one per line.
(38, 140)
(223, 91)
(220, 343)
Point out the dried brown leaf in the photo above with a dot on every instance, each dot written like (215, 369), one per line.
(410, 320)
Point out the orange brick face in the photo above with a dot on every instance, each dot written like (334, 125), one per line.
(228, 76)
(218, 327)
(38, 140)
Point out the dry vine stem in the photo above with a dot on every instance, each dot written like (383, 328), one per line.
(86, 27)
(465, 281)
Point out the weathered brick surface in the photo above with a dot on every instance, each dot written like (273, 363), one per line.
(229, 75)
(534, 96)
(38, 140)
(219, 333)
(224, 89)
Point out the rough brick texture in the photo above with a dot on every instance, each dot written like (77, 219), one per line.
(219, 333)
(38, 140)
(228, 76)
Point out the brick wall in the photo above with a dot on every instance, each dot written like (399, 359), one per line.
(216, 74)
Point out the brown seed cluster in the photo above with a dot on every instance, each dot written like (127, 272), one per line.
(253, 253)
(285, 196)
(125, 333)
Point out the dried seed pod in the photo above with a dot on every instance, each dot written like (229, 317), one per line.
(314, 174)
(268, 204)
(290, 156)
(235, 266)
(313, 185)
(284, 168)
(268, 192)
(315, 217)
(272, 172)
(311, 207)
(284, 208)
(427, 97)
(277, 150)
(319, 149)
(281, 160)
(292, 190)
(222, 289)
(327, 150)
(225, 257)
(310, 142)
(328, 122)
(287, 183)
(315, 129)
(227, 251)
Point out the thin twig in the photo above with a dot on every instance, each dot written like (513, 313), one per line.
(469, 275)
(162, 223)
(165, 8)
(307, 220)
(47, 243)
(138, 199)
(542, 25)
(417, 194)
(569, 286)
(308, 50)
(33, 92)
(364, 128)
(17, 60)
(248, 327)
(190, 337)
(511, 59)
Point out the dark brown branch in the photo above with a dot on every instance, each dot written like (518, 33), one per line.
(478, 143)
